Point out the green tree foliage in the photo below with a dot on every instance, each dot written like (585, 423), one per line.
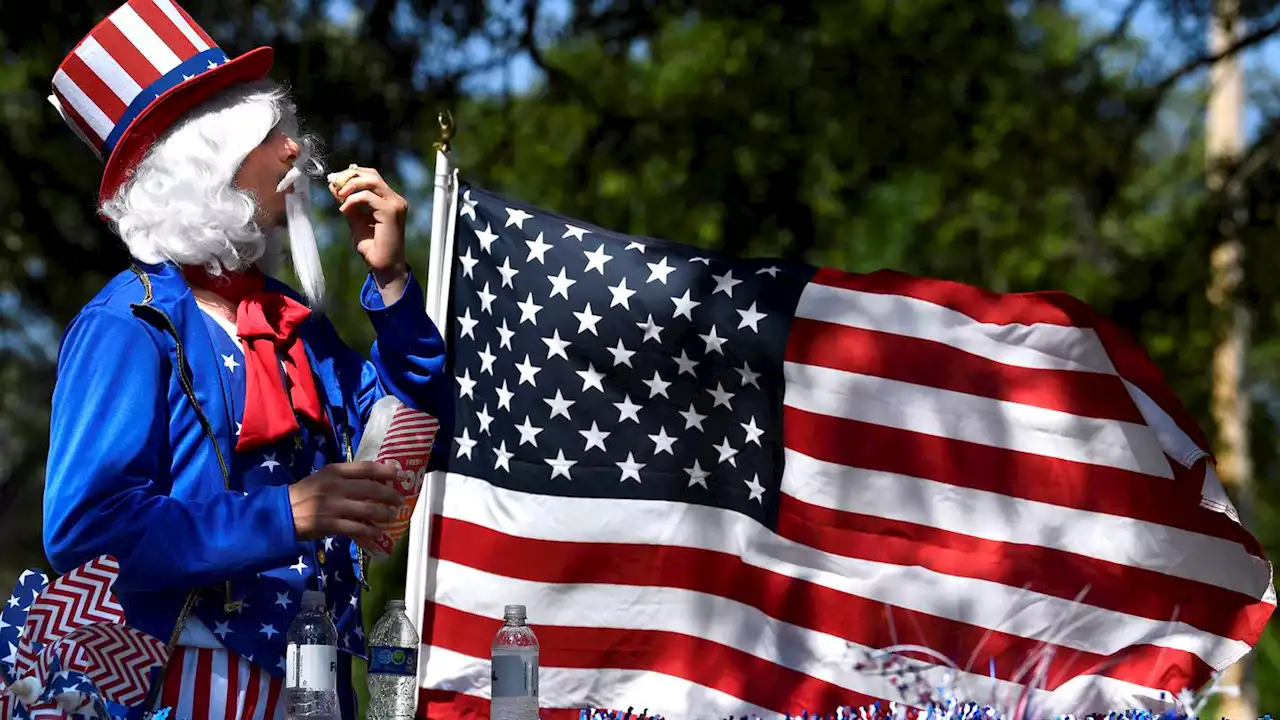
(999, 143)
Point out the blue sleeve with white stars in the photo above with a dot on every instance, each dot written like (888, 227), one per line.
(408, 356)
(109, 481)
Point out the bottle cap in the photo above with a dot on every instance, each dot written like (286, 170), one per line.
(514, 612)
(312, 599)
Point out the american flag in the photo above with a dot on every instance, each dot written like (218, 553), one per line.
(720, 485)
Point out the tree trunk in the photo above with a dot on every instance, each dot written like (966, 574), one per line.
(1224, 140)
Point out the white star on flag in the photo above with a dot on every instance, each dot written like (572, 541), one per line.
(486, 238)
(559, 406)
(556, 346)
(627, 410)
(503, 459)
(465, 444)
(486, 360)
(596, 260)
(595, 437)
(560, 466)
(750, 318)
(486, 300)
(537, 250)
(560, 285)
(516, 216)
(630, 468)
(528, 433)
(659, 271)
(684, 306)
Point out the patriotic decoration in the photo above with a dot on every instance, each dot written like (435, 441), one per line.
(69, 651)
(401, 436)
(135, 73)
(720, 485)
(217, 684)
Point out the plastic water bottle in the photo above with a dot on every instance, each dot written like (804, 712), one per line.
(514, 674)
(311, 663)
(393, 665)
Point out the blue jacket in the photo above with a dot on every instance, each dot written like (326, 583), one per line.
(141, 439)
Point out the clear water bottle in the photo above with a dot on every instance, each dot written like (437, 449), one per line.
(514, 674)
(393, 665)
(311, 663)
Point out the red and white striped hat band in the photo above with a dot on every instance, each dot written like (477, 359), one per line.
(132, 58)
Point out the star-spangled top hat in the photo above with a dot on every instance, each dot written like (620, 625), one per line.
(136, 73)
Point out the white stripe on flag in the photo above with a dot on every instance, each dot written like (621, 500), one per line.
(219, 668)
(186, 696)
(166, 6)
(1032, 346)
(244, 672)
(83, 105)
(136, 31)
(993, 516)
(985, 421)
(108, 70)
(674, 610)
(1011, 610)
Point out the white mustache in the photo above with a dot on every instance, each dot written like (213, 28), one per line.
(298, 170)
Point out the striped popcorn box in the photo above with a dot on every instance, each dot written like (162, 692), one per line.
(398, 435)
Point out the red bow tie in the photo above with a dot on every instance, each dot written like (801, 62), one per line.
(267, 324)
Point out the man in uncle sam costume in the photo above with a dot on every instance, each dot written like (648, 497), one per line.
(205, 415)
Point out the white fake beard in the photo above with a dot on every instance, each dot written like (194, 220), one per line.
(303, 249)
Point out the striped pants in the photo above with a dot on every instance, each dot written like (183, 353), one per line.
(204, 684)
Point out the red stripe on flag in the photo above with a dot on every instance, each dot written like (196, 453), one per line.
(694, 659)
(253, 686)
(200, 693)
(1067, 483)
(231, 706)
(126, 55)
(449, 705)
(803, 604)
(933, 364)
(1111, 585)
(88, 81)
(1052, 308)
(195, 26)
(274, 685)
(153, 16)
(171, 693)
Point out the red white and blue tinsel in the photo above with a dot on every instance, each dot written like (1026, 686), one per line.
(941, 702)
(65, 650)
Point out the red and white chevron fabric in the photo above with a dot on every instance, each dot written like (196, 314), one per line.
(78, 599)
(116, 658)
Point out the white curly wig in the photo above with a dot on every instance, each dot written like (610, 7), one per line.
(180, 204)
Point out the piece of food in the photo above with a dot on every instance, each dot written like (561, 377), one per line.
(338, 179)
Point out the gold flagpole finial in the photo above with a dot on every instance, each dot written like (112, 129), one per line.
(445, 121)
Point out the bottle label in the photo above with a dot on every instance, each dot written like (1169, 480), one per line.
(514, 676)
(311, 667)
(393, 661)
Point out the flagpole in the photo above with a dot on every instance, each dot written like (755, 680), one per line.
(439, 270)
(442, 198)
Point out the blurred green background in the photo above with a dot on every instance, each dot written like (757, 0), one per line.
(1018, 145)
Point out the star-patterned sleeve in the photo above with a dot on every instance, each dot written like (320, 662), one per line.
(408, 356)
(108, 474)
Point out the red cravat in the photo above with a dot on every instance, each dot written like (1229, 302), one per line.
(267, 323)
